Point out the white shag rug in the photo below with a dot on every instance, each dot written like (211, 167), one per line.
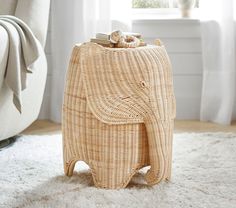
(204, 176)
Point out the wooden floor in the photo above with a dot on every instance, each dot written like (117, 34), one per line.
(45, 127)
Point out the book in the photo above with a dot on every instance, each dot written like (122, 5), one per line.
(103, 36)
(96, 40)
(105, 43)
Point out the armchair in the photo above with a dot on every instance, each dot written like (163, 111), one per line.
(35, 14)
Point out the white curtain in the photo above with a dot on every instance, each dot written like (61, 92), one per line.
(73, 21)
(219, 54)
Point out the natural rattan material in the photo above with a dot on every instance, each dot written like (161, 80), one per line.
(118, 113)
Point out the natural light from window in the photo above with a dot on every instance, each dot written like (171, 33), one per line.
(157, 4)
(165, 9)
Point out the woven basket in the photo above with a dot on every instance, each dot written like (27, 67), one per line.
(102, 121)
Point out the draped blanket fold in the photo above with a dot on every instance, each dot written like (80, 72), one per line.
(23, 51)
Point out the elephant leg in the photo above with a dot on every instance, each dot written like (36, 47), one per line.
(159, 134)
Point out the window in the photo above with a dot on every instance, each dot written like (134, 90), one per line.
(160, 9)
(157, 4)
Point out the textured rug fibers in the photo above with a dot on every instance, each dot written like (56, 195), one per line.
(203, 176)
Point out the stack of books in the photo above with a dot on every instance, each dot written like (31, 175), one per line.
(104, 39)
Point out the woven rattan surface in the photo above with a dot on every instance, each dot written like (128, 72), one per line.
(118, 113)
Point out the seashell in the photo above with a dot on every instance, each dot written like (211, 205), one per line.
(115, 36)
(128, 42)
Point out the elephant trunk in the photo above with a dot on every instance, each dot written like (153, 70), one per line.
(160, 134)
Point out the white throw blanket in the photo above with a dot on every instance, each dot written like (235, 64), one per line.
(23, 52)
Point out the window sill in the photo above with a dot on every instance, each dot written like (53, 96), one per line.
(173, 20)
(165, 15)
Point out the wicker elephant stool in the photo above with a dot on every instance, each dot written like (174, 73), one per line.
(118, 113)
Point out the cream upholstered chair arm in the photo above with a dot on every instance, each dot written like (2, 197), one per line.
(35, 14)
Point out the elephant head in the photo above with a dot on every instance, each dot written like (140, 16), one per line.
(126, 86)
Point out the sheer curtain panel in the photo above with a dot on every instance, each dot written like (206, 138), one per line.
(77, 21)
(72, 22)
(218, 49)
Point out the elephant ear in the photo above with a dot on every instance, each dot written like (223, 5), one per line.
(113, 85)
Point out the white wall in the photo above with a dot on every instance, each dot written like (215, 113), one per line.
(183, 43)
(45, 109)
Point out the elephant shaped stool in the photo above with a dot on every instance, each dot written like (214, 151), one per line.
(118, 113)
